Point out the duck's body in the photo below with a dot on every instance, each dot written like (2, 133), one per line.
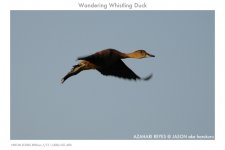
(108, 62)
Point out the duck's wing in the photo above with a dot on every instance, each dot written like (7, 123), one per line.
(119, 69)
(90, 58)
(96, 57)
(105, 57)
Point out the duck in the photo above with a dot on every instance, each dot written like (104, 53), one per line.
(109, 63)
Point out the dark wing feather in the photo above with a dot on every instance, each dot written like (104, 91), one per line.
(103, 58)
(92, 57)
(96, 56)
(119, 69)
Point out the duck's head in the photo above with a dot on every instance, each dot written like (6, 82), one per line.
(142, 54)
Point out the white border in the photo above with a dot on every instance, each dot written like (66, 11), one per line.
(6, 6)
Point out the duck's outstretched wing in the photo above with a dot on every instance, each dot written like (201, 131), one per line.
(119, 69)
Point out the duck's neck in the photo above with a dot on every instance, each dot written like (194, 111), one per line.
(132, 55)
(129, 55)
(123, 55)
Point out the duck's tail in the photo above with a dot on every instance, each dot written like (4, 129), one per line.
(75, 70)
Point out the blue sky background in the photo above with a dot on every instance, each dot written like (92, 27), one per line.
(179, 99)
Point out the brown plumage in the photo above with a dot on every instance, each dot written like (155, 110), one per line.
(108, 62)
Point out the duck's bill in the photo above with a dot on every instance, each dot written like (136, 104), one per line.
(150, 55)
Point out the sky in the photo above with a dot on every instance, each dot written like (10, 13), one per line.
(179, 99)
